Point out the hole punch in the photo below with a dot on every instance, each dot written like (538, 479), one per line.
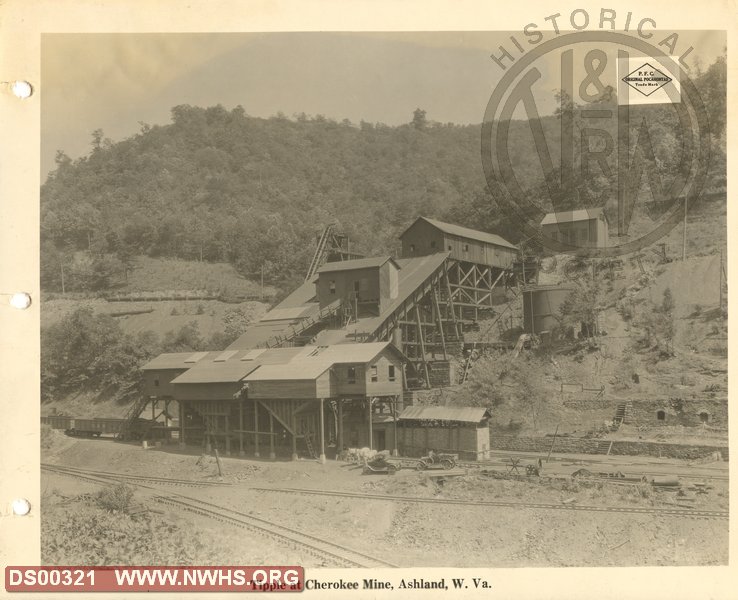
(21, 89)
(21, 507)
(20, 300)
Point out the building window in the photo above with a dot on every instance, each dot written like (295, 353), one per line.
(332, 286)
(704, 417)
(450, 247)
(156, 382)
(357, 286)
(466, 247)
(352, 374)
(661, 415)
(374, 374)
(391, 372)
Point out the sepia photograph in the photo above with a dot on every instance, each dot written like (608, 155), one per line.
(386, 299)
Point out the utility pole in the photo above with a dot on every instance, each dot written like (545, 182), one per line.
(684, 236)
(720, 280)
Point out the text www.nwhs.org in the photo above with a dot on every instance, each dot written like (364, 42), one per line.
(131, 579)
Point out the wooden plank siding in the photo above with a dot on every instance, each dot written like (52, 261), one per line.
(159, 382)
(207, 391)
(288, 389)
(423, 238)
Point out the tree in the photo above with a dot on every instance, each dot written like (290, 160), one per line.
(579, 311)
(419, 120)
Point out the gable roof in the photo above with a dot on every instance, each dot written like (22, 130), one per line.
(300, 369)
(284, 363)
(462, 414)
(570, 216)
(465, 232)
(358, 263)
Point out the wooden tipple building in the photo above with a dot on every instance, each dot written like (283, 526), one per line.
(271, 399)
(333, 358)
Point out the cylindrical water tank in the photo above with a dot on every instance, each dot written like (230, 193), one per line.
(541, 306)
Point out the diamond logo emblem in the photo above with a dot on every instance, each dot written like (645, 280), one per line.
(646, 79)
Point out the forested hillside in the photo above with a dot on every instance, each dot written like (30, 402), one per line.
(220, 186)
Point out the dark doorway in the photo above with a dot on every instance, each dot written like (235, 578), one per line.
(379, 442)
(704, 417)
(661, 415)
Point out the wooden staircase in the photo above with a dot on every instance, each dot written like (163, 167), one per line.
(329, 311)
(622, 414)
(131, 417)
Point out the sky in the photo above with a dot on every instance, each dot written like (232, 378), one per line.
(114, 82)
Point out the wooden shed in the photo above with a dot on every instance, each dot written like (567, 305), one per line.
(585, 227)
(460, 430)
(428, 236)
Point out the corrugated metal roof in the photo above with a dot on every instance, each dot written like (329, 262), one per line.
(260, 332)
(252, 354)
(472, 234)
(358, 263)
(300, 369)
(296, 312)
(193, 358)
(169, 360)
(233, 369)
(570, 216)
(220, 372)
(301, 296)
(463, 414)
(223, 356)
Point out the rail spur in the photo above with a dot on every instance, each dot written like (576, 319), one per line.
(136, 478)
(668, 512)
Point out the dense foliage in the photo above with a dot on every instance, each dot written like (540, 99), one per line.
(219, 185)
(88, 351)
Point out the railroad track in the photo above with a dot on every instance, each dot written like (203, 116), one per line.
(342, 556)
(337, 554)
(138, 478)
(504, 467)
(674, 512)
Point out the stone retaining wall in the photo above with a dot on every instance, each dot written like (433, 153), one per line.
(566, 445)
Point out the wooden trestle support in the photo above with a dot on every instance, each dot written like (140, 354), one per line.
(433, 319)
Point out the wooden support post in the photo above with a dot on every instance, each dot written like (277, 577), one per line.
(153, 409)
(256, 429)
(451, 307)
(422, 345)
(181, 423)
(227, 436)
(240, 427)
(293, 423)
(339, 434)
(272, 453)
(371, 433)
(394, 421)
(440, 324)
(322, 431)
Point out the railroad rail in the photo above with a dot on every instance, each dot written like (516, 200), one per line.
(558, 466)
(139, 478)
(669, 512)
(338, 554)
(319, 547)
